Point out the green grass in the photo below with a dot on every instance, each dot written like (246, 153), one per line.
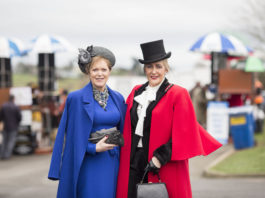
(260, 138)
(247, 161)
(20, 80)
(70, 84)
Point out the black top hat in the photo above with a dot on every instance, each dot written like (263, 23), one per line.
(153, 51)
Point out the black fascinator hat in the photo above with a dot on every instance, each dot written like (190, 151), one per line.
(85, 56)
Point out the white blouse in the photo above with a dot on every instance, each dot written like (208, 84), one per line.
(144, 100)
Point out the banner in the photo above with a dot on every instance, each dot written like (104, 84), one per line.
(218, 120)
(23, 95)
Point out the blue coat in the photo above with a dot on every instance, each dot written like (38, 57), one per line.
(71, 142)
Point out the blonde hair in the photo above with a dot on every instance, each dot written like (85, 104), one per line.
(165, 64)
(94, 60)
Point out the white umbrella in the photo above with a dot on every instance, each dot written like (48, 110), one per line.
(50, 44)
(46, 46)
(10, 47)
(217, 42)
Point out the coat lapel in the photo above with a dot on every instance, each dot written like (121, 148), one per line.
(117, 103)
(88, 101)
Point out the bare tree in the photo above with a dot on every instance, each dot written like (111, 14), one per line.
(250, 19)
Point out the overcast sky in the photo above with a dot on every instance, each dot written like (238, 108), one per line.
(120, 25)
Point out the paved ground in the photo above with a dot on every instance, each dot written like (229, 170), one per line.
(26, 177)
(222, 187)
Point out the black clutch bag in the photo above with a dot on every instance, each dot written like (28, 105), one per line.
(151, 190)
(114, 136)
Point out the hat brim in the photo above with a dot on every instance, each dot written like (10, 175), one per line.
(167, 55)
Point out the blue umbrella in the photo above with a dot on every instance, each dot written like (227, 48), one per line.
(10, 47)
(217, 42)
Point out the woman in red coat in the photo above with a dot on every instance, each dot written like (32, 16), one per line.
(161, 132)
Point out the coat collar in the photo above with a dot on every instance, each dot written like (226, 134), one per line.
(161, 91)
(88, 100)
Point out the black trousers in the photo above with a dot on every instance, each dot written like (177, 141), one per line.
(137, 166)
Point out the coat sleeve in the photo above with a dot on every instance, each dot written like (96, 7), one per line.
(58, 149)
(189, 139)
(164, 152)
(91, 148)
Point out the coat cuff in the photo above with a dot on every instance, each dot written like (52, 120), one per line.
(53, 178)
(91, 148)
(164, 152)
(53, 175)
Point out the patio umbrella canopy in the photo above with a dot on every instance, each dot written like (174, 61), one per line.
(220, 46)
(254, 64)
(10, 47)
(46, 46)
(217, 42)
(50, 44)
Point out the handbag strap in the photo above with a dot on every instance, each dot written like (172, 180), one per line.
(145, 173)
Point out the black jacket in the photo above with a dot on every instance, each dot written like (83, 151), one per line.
(11, 116)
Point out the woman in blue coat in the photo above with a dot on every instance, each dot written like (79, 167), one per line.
(84, 169)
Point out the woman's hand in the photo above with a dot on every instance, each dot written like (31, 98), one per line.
(101, 146)
(156, 162)
(154, 165)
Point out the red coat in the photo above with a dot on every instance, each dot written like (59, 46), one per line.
(173, 117)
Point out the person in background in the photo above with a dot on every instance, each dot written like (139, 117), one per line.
(60, 105)
(258, 111)
(63, 97)
(85, 169)
(160, 132)
(197, 85)
(10, 115)
(200, 103)
(235, 100)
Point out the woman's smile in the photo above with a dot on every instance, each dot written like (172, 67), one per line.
(99, 73)
(155, 72)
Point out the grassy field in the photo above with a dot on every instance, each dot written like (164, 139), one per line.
(20, 80)
(247, 161)
(70, 84)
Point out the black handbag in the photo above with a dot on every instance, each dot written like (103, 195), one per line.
(114, 136)
(151, 190)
